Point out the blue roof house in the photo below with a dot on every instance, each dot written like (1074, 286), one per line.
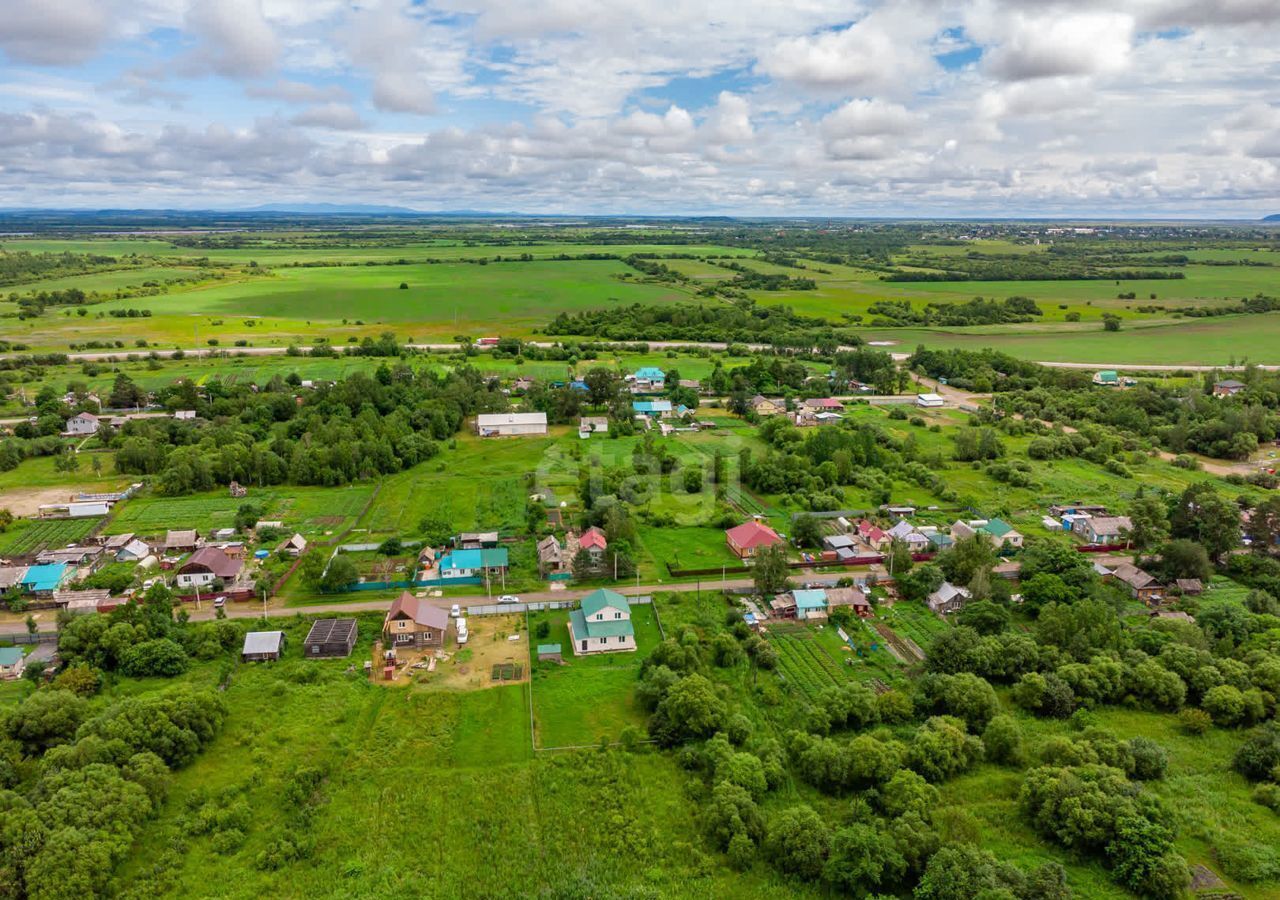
(473, 563)
(648, 378)
(810, 604)
(44, 579)
(654, 409)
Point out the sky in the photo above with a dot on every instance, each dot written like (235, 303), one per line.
(1106, 108)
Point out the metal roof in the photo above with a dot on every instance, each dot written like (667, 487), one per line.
(263, 641)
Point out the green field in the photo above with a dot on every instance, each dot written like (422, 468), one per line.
(589, 697)
(313, 511)
(29, 537)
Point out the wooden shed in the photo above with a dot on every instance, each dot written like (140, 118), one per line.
(330, 638)
(261, 646)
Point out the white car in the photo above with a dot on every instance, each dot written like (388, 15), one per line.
(508, 598)
(220, 602)
(455, 611)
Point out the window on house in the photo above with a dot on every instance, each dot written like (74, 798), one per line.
(617, 615)
(604, 640)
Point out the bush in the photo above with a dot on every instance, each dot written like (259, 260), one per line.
(1195, 721)
(159, 657)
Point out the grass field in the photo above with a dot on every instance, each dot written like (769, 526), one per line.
(589, 697)
(306, 509)
(285, 302)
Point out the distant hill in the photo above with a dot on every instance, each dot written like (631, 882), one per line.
(1275, 218)
(334, 208)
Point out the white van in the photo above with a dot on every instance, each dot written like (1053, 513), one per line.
(462, 631)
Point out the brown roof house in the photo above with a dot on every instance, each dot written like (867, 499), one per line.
(415, 624)
(1141, 585)
(851, 597)
(180, 541)
(207, 565)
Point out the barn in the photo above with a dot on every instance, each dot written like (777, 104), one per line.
(262, 646)
(330, 638)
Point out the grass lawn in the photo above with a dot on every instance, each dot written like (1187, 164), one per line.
(589, 697)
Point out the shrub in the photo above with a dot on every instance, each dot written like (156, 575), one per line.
(1194, 721)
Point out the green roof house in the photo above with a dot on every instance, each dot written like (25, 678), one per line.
(1002, 534)
(1108, 377)
(12, 662)
(602, 624)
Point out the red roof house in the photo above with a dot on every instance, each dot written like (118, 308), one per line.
(593, 541)
(747, 538)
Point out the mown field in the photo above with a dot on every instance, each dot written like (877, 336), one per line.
(278, 301)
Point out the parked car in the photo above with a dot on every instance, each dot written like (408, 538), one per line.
(455, 611)
(220, 601)
(508, 598)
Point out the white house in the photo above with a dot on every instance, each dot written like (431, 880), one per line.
(83, 424)
(930, 400)
(511, 424)
(602, 624)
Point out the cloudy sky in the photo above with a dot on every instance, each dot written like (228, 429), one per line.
(775, 107)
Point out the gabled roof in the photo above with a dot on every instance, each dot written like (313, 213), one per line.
(263, 641)
(493, 420)
(810, 599)
(946, 593)
(44, 577)
(1109, 524)
(601, 598)
(902, 529)
(10, 656)
(88, 416)
(650, 373)
(482, 558)
(753, 534)
(213, 559)
(1133, 576)
(1107, 375)
(593, 537)
(849, 596)
(418, 611)
(584, 627)
(823, 403)
(1229, 383)
(185, 538)
(998, 528)
(135, 548)
(651, 406)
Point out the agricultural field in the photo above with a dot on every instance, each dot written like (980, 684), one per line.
(802, 661)
(588, 697)
(32, 536)
(312, 511)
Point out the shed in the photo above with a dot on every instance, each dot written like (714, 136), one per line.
(930, 400)
(550, 652)
(261, 646)
(329, 638)
(12, 662)
(510, 424)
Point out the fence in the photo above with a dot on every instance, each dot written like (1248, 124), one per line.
(12, 638)
(410, 584)
(506, 609)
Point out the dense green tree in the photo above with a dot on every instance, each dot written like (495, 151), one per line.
(798, 842)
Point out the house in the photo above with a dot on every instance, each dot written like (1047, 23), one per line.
(930, 400)
(180, 541)
(822, 404)
(810, 604)
(43, 580)
(648, 378)
(115, 542)
(12, 662)
(1190, 586)
(839, 542)
(873, 536)
(551, 556)
(906, 532)
(1103, 529)
(207, 565)
(262, 646)
(589, 425)
(83, 424)
(72, 556)
(763, 406)
(783, 606)
(414, 623)
(1140, 585)
(330, 638)
(652, 409)
(511, 424)
(602, 624)
(1002, 534)
(1228, 387)
(745, 540)
(948, 598)
(134, 551)
(939, 540)
(475, 540)
(11, 576)
(593, 541)
(851, 597)
(295, 546)
(1107, 378)
(474, 563)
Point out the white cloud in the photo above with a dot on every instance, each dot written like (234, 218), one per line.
(53, 33)
(235, 39)
(335, 116)
(298, 92)
(1057, 44)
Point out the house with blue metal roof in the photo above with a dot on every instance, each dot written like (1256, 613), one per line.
(810, 604)
(474, 563)
(653, 409)
(44, 579)
(648, 378)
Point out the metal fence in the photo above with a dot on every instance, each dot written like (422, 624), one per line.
(506, 609)
(9, 639)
